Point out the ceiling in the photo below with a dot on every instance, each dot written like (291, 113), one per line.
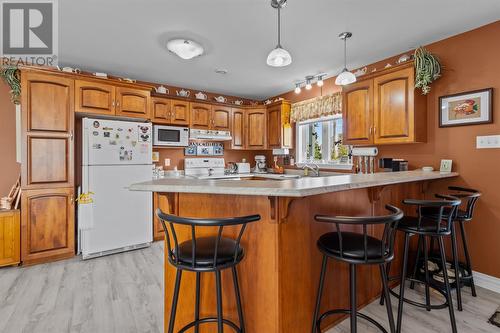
(128, 37)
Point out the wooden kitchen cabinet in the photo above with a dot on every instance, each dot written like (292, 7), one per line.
(210, 117)
(238, 129)
(47, 145)
(385, 109)
(107, 99)
(47, 225)
(180, 113)
(168, 111)
(167, 202)
(10, 238)
(256, 129)
(201, 116)
(132, 102)
(221, 118)
(279, 130)
(94, 97)
(357, 102)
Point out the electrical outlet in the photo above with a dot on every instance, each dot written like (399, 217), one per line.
(488, 141)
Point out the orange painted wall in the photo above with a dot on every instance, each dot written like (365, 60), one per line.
(9, 168)
(471, 61)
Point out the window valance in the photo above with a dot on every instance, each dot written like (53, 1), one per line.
(317, 107)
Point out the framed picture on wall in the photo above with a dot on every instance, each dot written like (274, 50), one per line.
(467, 108)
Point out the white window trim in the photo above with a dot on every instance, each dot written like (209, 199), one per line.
(298, 139)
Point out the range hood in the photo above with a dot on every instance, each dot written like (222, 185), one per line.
(197, 134)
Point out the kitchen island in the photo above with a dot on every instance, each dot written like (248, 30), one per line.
(280, 272)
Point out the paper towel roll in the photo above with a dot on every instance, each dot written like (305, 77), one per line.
(365, 151)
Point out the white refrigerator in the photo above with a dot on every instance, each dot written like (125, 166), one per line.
(116, 154)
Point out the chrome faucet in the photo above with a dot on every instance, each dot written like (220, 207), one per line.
(313, 167)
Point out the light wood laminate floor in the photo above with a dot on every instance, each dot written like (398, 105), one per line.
(124, 293)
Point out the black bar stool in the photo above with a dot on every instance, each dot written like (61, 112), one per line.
(433, 226)
(470, 198)
(205, 254)
(357, 249)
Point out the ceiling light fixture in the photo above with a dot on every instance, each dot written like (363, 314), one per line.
(320, 81)
(297, 88)
(185, 48)
(221, 71)
(279, 57)
(345, 77)
(308, 82)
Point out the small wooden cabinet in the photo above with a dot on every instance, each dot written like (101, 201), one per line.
(47, 225)
(10, 238)
(168, 111)
(131, 102)
(94, 97)
(107, 99)
(279, 129)
(385, 109)
(210, 117)
(256, 129)
(167, 202)
(238, 129)
(47, 145)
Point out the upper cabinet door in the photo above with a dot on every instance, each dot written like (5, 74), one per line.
(201, 115)
(47, 102)
(132, 102)
(357, 113)
(180, 112)
(94, 97)
(256, 129)
(161, 110)
(238, 129)
(394, 107)
(274, 127)
(47, 131)
(221, 118)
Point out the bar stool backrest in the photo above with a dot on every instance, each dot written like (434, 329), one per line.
(172, 220)
(471, 195)
(446, 208)
(390, 223)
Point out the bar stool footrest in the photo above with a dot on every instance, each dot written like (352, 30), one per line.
(346, 311)
(210, 320)
(418, 304)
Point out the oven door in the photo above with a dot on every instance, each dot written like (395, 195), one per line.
(171, 136)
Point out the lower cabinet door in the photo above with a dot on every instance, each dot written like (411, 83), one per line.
(47, 225)
(9, 237)
(167, 202)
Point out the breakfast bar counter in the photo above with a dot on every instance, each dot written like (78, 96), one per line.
(280, 272)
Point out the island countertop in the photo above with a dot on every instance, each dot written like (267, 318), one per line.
(301, 187)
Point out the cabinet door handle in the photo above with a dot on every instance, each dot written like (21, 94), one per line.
(71, 135)
(374, 129)
(113, 103)
(117, 103)
(371, 130)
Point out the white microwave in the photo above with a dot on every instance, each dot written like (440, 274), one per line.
(173, 136)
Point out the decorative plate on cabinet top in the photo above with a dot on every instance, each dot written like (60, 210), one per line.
(221, 99)
(238, 102)
(200, 95)
(183, 93)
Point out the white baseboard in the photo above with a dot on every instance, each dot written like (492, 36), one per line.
(487, 281)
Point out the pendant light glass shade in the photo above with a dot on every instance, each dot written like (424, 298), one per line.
(345, 78)
(279, 57)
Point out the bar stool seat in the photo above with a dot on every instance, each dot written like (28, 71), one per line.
(352, 246)
(411, 224)
(205, 252)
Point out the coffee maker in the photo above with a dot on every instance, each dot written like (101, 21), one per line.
(260, 164)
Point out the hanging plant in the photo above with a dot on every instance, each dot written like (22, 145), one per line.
(10, 74)
(427, 69)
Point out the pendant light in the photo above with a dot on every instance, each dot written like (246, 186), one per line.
(345, 77)
(279, 57)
